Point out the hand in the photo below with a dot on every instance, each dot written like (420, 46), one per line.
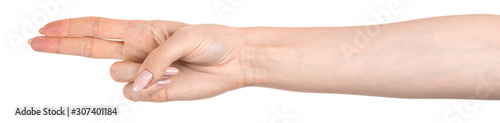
(207, 56)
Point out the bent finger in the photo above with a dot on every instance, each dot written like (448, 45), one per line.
(152, 94)
(125, 71)
(159, 60)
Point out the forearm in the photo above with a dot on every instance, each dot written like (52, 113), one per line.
(292, 58)
(444, 57)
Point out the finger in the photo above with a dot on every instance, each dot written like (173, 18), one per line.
(87, 26)
(157, 62)
(151, 94)
(182, 87)
(125, 71)
(88, 47)
(165, 79)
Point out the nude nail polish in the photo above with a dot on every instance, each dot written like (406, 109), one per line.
(164, 82)
(29, 41)
(171, 71)
(40, 31)
(142, 80)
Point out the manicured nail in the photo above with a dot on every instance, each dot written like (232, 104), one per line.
(171, 71)
(142, 80)
(164, 82)
(29, 40)
(40, 31)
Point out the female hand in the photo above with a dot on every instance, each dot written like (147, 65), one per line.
(442, 57)
(207, 56)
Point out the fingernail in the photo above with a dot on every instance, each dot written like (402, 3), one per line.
(40, 31)
(29, 40)
(164, 82)
(142, 80)
(171, 71)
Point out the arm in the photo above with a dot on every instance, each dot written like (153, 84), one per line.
(442, 57)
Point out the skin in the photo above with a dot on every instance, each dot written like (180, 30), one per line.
(440, 57)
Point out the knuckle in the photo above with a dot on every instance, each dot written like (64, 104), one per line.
(158, 57)
(166, 97)
(119, 51)
(158, 96)
(157, 31)
(114, 72)
(96, 27)
(88, 48)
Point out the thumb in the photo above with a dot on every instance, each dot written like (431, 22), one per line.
(157, 62)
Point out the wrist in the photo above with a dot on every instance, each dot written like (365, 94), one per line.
(262, 51)
(254, 58)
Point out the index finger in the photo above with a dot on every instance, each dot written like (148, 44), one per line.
(86, 26)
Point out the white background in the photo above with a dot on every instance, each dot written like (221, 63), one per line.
(31, 78)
